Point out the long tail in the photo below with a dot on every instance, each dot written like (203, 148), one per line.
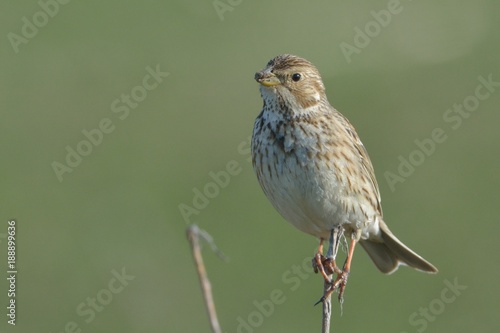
(390, 253)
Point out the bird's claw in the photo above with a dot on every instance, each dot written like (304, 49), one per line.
(338, 284)
(326, 266)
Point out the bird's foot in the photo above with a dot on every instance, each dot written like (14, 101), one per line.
(339, 283)
(325, 266)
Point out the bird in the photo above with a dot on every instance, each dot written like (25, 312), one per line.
(316, 172)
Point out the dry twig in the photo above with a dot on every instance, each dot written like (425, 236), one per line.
(194, 234)
(333, 247)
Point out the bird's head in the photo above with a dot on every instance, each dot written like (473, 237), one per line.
(291, 80)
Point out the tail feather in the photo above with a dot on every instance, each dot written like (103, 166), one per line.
(391, 252)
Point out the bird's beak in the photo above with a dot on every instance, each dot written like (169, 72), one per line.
(267, 79)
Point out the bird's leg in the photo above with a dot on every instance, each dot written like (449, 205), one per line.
(346, 270)
(341, 280)
(326, 266)
(319, 263)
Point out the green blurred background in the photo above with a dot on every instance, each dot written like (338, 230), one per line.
(119, 208)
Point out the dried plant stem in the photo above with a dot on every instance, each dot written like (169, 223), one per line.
(327, 309)
(333, 247)
(193, 234)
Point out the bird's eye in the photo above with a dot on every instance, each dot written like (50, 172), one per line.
(296, 77)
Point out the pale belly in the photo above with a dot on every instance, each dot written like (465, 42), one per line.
(312, 196)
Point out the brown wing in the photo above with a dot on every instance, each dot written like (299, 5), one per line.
(364, 159)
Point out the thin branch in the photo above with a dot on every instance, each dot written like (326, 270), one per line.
(333, 247)
(194, 234)
(327, 309)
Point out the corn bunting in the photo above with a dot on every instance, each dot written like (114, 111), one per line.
(314, 169)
